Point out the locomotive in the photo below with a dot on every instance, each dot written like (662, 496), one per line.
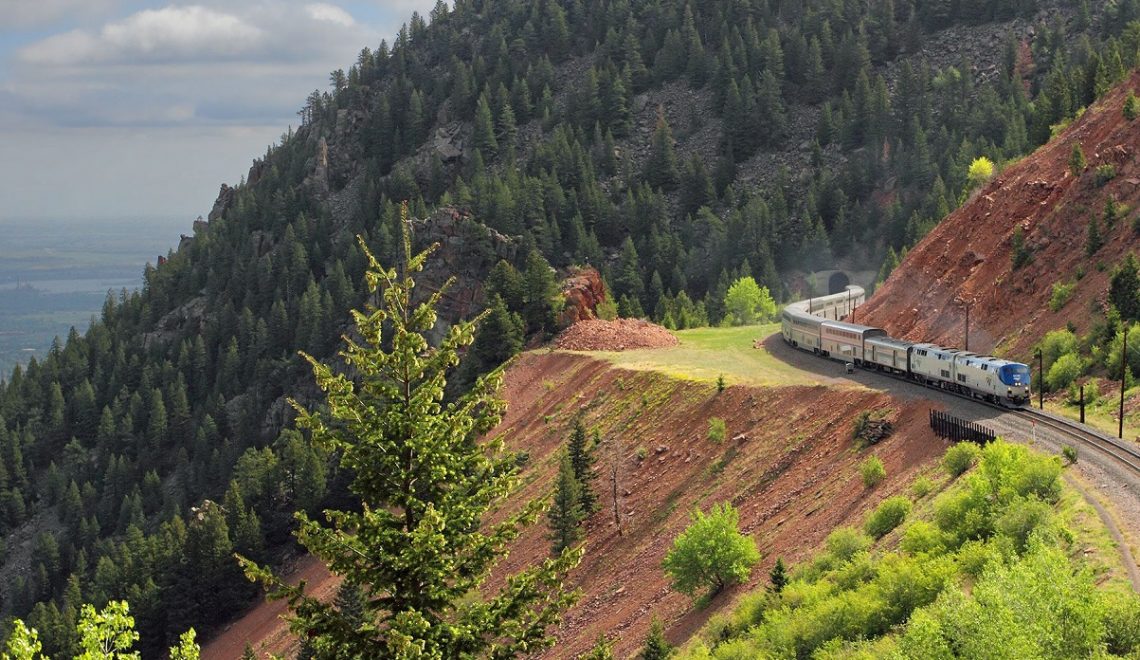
(814, 325)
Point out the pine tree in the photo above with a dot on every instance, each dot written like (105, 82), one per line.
(1124, 289)
(778, 576)
(425, 481)
(484, 136)
(656, 646)
(661, 167)
(566, 512)
(1077, 162)
(582, 460)
(1094, 241)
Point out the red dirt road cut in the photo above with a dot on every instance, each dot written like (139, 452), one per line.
(787, 463)
(968, 256)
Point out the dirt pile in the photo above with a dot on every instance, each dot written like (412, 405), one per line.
(968, 258)
(619, 335)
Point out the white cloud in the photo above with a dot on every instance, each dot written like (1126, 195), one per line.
(22, 14)
(325, 12)
(150, 35)
(151, 111)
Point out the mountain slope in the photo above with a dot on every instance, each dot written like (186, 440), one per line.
(533, 130)
(788, 464)
(969, 256)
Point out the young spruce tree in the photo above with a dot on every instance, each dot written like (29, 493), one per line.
(418, 546)
(566, 513)
(582, 460)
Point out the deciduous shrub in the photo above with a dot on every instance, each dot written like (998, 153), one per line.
(1105, 173)
(890, 513)
(717, 430)
(959, 458)
(1062, 292)
(846, 542)
(872, 471)
(921, 487)
(711, 553)
(1064, 371)
(921, 536)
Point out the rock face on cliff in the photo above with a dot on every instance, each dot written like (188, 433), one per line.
(467, 251)
(582, 292)
(969, 256)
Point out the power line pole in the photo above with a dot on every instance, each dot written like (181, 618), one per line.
(1123, 366)
(968, 325)
(1040, 380)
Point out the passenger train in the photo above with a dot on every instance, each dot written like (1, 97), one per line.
(814, 325)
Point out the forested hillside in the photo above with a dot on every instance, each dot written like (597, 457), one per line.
(674, 145)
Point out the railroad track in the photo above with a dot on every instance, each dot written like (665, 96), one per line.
(1120, 451)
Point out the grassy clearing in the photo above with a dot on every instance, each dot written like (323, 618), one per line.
(1094, 543)
(704, 354)
(1101, 414)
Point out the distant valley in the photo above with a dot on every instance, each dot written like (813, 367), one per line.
(55, 274)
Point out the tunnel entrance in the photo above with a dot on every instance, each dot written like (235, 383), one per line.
(837, 282)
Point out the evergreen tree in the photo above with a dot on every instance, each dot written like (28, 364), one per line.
(1124, 289)
(425, 482)
(778, 577)
(566, 513)
(656, 646)
(1094, 241)
(582, 460)
(484, 136)
(541, 295)
(1131, 106)
(661, 167)
(1077, 162)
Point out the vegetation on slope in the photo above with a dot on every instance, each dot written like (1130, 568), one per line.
(118, 446)
(992, 569)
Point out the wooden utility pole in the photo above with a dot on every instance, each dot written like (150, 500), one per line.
(1040, 380)
(968, 325)
(1123, 378)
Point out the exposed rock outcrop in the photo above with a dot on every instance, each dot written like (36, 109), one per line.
(582, 292)
(467, 251)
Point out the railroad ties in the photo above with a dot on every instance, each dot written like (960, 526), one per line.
(959, 430)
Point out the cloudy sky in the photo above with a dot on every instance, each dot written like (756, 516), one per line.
(141, 107)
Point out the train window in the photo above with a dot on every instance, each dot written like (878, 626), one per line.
(945, 374)
(985, 367)
(961, 378)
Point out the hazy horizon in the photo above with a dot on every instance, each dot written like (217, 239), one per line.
(145, 107)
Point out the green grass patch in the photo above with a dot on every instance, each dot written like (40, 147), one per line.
(706, 354)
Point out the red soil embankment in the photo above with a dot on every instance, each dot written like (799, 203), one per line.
(788, 464)
(967, 257)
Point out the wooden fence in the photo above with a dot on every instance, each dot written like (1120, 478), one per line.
(959, 430)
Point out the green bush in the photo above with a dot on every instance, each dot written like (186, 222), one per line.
(1022, 519)
(846, 542)
(959, 458)
(1122, 623)
(717, 430)
(921, 536)
(1062, 292)
(921, 487)
(1055, 344)
(1063, 372)
(890, 513)
(872, 471)
(1069, 453)
(1105, 173)
(711, 553)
